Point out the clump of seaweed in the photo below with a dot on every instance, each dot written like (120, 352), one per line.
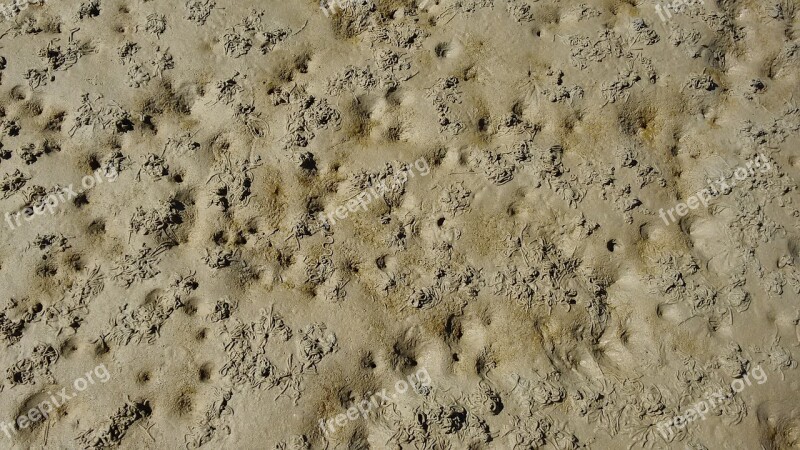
(160, 220)
(198, 10)
(111, 432)
(34, 368)
(214, 422)
(139, 266)
(309, 115)
(12, 183)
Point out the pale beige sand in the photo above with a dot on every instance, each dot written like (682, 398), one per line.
(521, 273)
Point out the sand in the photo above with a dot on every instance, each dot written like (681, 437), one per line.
(472, 224)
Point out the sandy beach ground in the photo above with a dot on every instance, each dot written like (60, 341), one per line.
(400, 224)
